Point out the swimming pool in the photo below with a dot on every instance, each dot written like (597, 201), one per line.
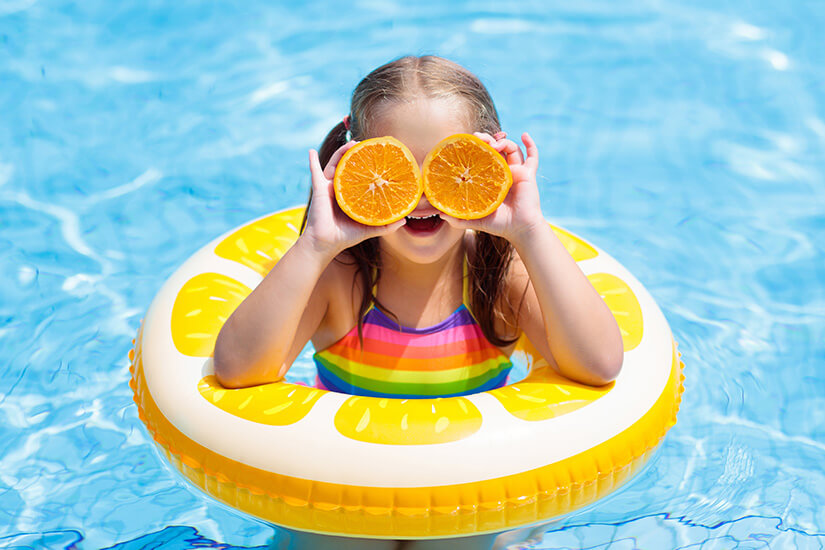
(687, 140)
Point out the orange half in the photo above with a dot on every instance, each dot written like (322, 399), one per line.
(378, 181)
(465, 177)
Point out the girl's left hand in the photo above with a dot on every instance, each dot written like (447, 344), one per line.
(521, 209)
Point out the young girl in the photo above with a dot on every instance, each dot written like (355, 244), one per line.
(382, 305)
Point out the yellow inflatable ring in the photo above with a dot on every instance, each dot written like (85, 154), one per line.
(331, 463)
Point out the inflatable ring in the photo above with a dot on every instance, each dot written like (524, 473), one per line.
(331, 463)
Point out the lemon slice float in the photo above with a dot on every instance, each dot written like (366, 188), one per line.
(331, 463)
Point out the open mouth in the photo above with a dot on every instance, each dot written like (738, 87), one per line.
(423, 223)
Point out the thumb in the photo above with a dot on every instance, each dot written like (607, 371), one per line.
(318, 178)
(391, 228)
(456, 222)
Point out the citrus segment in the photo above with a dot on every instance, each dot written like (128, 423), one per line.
(202, 306)
(465, 177)
(624, 306)
(377, 181)
(407, 421)
(260, 244)
(576, 247)
(277, 404)
(545, 394)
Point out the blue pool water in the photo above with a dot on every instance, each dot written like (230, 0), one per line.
(685, 138)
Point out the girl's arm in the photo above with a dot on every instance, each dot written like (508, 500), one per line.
(561, 313)
(264, 335)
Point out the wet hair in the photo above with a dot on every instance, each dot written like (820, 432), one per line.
(409, 78)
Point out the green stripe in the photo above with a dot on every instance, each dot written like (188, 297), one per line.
(404, 376)
(407, 388)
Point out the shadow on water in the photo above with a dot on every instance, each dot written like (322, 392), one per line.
(654, 531)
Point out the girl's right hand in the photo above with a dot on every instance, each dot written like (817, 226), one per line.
(328, 228)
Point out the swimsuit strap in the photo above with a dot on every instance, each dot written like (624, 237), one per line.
(465, 286)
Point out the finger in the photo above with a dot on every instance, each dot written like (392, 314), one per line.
(532, 149)
(512, 152)
(500, 135)
(318, 178)
(456, 222)
(495, 142)
(369, 231)
(329, 171)
(488, 223)
(393, 227)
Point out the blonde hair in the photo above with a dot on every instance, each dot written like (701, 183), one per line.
(410, 78)
(405, 79)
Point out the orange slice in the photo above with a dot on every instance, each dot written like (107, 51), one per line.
(378, 181)
(465, 178)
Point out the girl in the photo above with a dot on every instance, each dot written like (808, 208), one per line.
(374, 300)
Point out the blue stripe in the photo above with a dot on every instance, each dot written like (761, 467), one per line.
(460, 317)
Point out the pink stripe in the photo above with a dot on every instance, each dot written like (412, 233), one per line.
(456, 334)
(447, 349)
(320, 385)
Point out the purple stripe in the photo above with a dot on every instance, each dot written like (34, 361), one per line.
(459, 317)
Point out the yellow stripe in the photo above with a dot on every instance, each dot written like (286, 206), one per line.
(415, 376)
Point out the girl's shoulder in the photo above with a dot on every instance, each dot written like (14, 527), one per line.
(339, 287)
(341, 280)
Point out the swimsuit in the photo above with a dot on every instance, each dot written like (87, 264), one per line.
(447, 359)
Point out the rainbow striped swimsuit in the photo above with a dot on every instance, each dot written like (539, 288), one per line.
(450, 358)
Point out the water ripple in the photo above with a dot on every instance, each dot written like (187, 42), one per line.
(685, 139)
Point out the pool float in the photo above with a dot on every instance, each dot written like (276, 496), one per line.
(331, 463)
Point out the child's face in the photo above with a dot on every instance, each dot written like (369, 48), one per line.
(420, 125)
